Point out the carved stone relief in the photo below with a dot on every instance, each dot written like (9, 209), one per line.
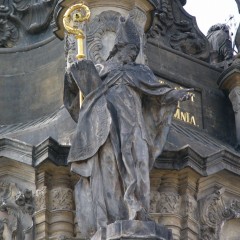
(41, 200)
(20, 21)
(61, 199)
(189, 206)
(173, 27)
(164, 202)
(101, 34)
(16, 210)
(215, 212)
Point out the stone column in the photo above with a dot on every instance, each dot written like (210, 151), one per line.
(61, 205)
(230, 81)
(188, 187)
(54, 213)
(234, 96)
(168, 205)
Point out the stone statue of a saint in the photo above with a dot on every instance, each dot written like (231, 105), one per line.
(220, 43)
(121, 129)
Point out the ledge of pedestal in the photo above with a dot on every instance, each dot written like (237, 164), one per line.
(130, 229)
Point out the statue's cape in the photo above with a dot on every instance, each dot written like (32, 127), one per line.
(94, 118)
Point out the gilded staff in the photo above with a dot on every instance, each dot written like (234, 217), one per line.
(82, 13)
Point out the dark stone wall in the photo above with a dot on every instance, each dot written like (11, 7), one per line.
(216, 110)
(31, 82)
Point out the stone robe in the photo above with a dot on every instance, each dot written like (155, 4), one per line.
(121, 129)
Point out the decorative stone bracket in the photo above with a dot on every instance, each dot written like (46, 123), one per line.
(215, 212)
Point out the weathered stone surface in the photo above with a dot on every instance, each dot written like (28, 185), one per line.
(133, 230)
(197, 160)
(32, 87)
(123, 124)
(229, 81)
(220, 44)
(213, 107)
(173, 27)
(25, 23)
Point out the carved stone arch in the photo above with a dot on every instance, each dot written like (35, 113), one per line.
(101, 34)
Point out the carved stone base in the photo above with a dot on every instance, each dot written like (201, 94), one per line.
(133, 230)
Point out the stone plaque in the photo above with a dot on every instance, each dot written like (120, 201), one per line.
(189, 112)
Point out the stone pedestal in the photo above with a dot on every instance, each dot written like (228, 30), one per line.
(133, 230)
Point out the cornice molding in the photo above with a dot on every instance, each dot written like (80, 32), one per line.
(205, 165)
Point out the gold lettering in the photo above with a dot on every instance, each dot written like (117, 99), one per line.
(177, 114)
(181, 115)
(192, 99)
(193, 121)
(185, 117)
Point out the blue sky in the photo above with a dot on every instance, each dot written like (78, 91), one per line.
(210, 12)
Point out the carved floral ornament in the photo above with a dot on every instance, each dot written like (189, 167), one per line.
(165, 202)
(62, 199)
(20, 19)
(41, 200)
(173, 203)
(215, 213)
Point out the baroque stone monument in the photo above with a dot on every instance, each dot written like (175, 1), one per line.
(189, 169)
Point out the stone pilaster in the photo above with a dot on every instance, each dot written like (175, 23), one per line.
(188, 182)
(42, 206)
(54, 213)
(165, 202)
(61, 205)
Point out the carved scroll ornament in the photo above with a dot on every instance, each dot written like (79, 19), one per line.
(215, 213)
(20, 20)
